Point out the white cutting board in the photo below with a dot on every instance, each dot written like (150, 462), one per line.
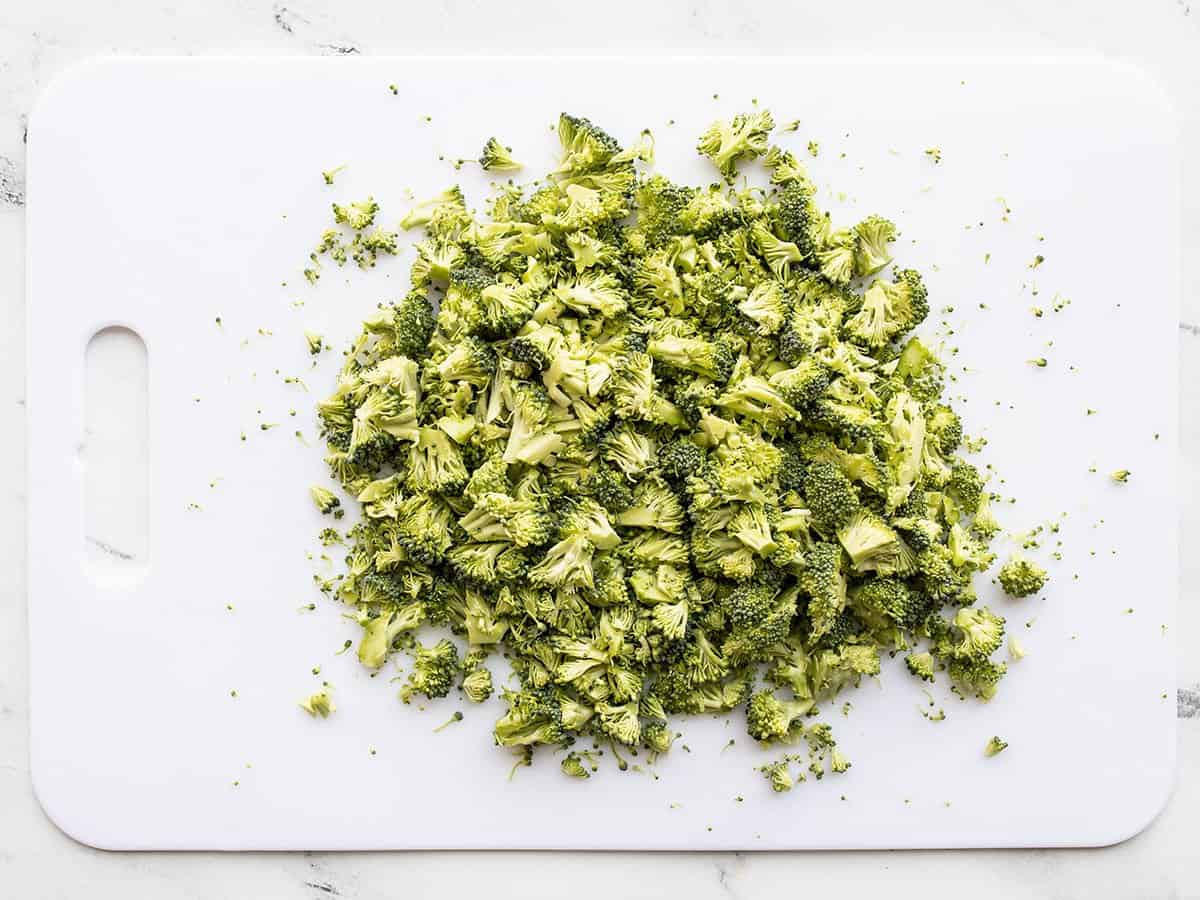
(164, 193)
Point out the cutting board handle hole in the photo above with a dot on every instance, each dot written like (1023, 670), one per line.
(113, 453)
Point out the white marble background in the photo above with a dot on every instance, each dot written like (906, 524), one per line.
(39, 38)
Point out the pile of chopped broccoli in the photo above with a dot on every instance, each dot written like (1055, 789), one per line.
(671, 450)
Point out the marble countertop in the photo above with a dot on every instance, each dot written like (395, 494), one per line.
(38, 40)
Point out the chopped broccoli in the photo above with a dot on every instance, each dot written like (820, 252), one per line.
(653, 443)
(743, 137)
(433, 671)
(326, 501)
(770, 719)
(497, 158)
(1021, 577)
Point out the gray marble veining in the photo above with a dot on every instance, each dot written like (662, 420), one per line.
(40, 39)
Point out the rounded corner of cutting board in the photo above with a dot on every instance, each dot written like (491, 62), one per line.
(80, 77)
(68, 812)
(1138, 813)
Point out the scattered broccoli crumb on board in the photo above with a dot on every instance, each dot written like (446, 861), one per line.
(994, 746)
(325, 500)
(1121, 476)
(319, 704)
(669, 450)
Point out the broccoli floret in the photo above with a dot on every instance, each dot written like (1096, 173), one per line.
(434, 670)
(779, 255)
(977, 676)
(823, 581)
(654, 505)
(744, 137)
(803, 384)
(497, 517)
(532, 718)
(921, 665)
(830, 496)
(325, 500)
(680, 459)
(414, 323)
(838, 257)
(944, 426)
(358, 215)
(435, 464)
(423, 528)
(770, 719)
(799, 220)
(585, 147)
(766, 306)
(381, 630)
(966, 486)
(874, 547)
(471, 361)
(567, 564)
(779, 775)
(759, 616)
(610, 488)
(1021, 577)
(874, 233)
(497, 158)
(477, 685)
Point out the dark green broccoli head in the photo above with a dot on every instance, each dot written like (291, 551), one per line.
(830, 496)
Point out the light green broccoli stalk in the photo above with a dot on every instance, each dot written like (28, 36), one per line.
(319, 704)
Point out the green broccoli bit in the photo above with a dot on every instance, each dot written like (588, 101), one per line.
(1021, 577)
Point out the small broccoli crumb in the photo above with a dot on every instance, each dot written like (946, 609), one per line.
(324, 499)
(934, 153)
(319, 704)
(457, 717)
(330, 174)
(1121, 476)
(1016, 650)
(994, 746)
